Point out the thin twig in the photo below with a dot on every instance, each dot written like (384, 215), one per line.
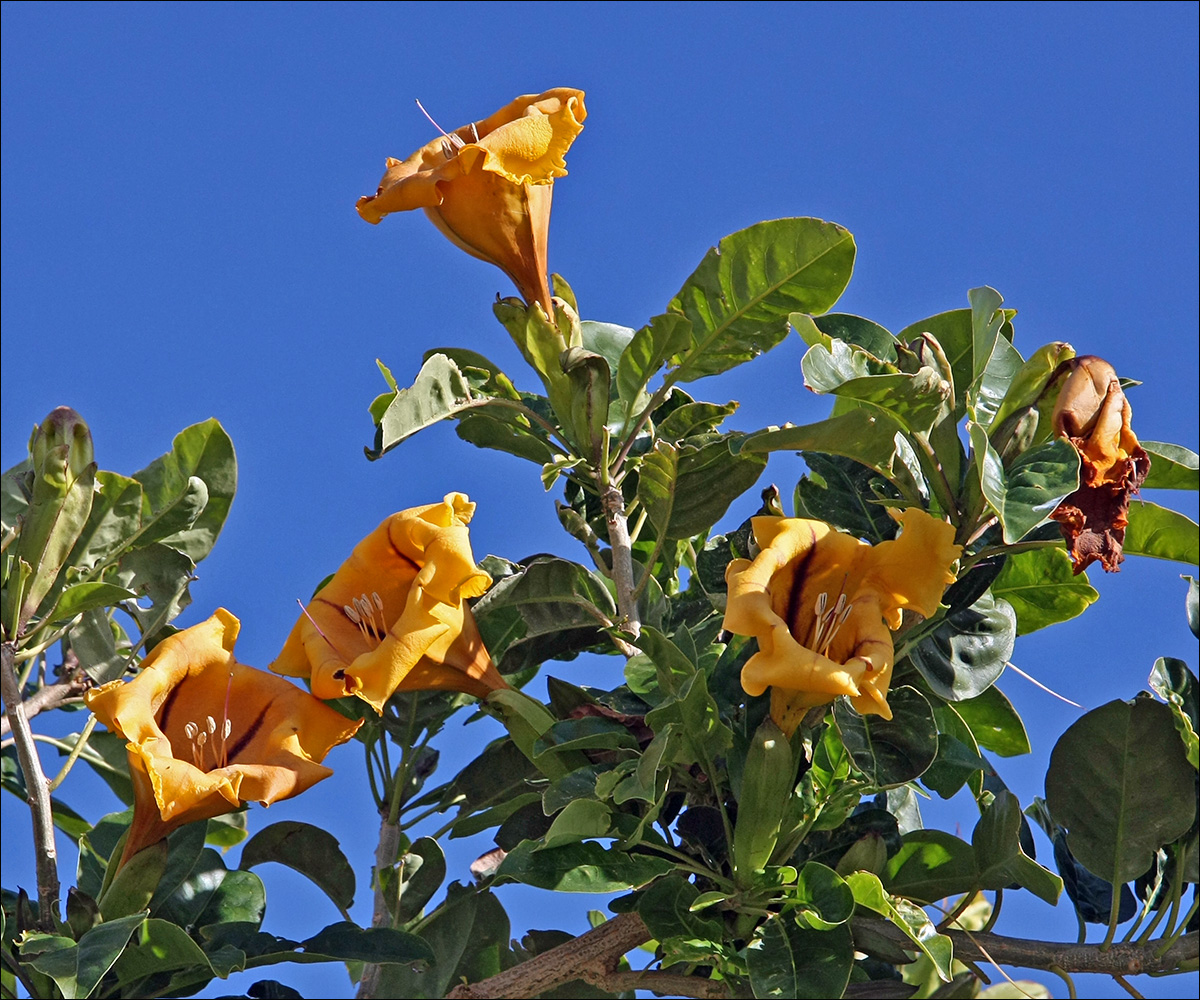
(39, 794)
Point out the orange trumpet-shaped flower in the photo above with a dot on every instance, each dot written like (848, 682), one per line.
(207, 734)
(487, 186)
(1094, 415)
(394, 616)
(823, 605)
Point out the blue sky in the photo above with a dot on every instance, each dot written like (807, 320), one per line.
(180, 241)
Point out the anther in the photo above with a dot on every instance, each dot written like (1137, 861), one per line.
(210, 724)
(351, 614)
(190, 730)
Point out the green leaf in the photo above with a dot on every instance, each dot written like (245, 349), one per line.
(851, 329)
(958, 761)
(547, 597)
(994, 723)
(687, 488)
(1043, 589)
(911, 919)
(890, 751)
(419, 874)
(467, 940)
(690, 419)
(347, 942)
(582, 867)
(115, 517)
(306, 849)
(94, 639)
(1025, 495)
(203, 452)
(1161, 533)
(1120, 782)
(664, 337)
(582, 819)
(78, 968)
(668, 908)
(821, 898)
(592, 732)
(439, 391)
(1003, 368)
(968, 650)
(84, 597)
(1172, 467)
(931, 865)
(157, 948)
(739, 298)
(788, 960)
(999, 854)
(839, 491)
(606, 339)
(161, 573)
(502, 429)
(1177, 686)
(875, 439)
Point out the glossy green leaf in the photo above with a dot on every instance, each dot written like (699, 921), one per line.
(1177, 686)
(1120, 782)
(989, 392)
(693, 418)
(592, 732)
(908, 917)
(582, 819)
(466, 940)
(1043, 589)
(94, 639)
(84, 597)
(116, 516)
(439, 391)
(1025, 494)
(78, 968)
(820, 899)
(204, 452)
(347, 942)
(994, 723)
(958, 761)
(1000, 857)
(840, 491)
(739, 298)
(1172, 467)
(968, 650)
(1029, 386)
(890, 751)
(606, 339)
(931, 865)
(874, 439)
(505, 430)
(581, 867)
(157, 949)
(309, 850)
(687, 488)
(664, 337)
(850, 329)
(788, 960)
(548, 596)
(668, 907)
(1161, 533)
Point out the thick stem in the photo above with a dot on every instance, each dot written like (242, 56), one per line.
(385, 856)
(39, 793)
(594, 953)
(1117, 959)
(622, 556)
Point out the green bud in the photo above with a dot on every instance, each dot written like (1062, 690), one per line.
(1016, 434)
(867, 854)
(61, 449)
(768, 780)
(1034, 385)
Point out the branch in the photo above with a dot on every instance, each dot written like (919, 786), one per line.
(591, 956)
(386, 853)
(613, 503)
(39, 793)
(1118, 959)
(51, 696)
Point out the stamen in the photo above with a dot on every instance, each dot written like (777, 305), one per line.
(210, 724)
(352, 614)
(312, 621)
(375, 594)
(190, 730)
(474, 132)
(451, 139)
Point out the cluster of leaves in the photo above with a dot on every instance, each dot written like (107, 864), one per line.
(764, 862)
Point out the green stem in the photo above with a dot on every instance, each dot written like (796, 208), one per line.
(995, 914)
(1121, 981)
(655, 400)
(1066, 978)
(1114, 913)
(80, 743)
(937, 478)
(1002, 550)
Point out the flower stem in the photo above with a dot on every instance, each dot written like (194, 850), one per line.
(39, 793)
